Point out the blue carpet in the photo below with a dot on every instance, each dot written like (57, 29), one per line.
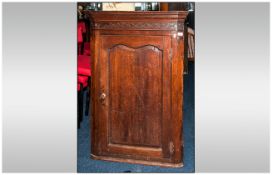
(87, 165)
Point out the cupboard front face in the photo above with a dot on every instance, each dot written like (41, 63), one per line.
(133, 119)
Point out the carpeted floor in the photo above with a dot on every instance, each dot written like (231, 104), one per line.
(87, 165)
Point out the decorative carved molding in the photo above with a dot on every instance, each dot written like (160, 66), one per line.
(148, 46)
(139, 25)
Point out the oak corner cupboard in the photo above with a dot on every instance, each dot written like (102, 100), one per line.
(137, 87)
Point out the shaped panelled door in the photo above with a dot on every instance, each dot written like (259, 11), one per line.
(133, 80)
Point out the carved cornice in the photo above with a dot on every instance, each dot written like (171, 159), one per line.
(120, 25)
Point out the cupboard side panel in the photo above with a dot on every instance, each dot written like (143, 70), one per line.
(177, 98)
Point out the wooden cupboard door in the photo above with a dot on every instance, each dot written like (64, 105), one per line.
(133, 119)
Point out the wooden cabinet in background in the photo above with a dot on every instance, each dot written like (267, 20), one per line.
(137, 88)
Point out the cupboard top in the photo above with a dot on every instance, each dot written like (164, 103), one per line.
(138, 20)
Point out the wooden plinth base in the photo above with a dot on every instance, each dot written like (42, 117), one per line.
(133, 161)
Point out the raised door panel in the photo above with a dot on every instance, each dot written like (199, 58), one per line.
(135, 85)
(134, 118)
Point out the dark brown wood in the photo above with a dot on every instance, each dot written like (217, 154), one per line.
(163, 6)
(137, 89)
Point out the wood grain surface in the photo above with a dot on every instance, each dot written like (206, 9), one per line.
(137, 89)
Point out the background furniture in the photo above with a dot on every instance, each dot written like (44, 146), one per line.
(84, 79)
(191, 44)
(137, 88)
(83, 66)
(189, 27)
(82, 83)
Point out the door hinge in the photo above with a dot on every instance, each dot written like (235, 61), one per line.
(171, 148)
(180, 35)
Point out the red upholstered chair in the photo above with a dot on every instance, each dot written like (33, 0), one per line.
(84, 70)
(84, 78)
(82, 83)
(84, 65)
(87, 48)
(81, 30)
